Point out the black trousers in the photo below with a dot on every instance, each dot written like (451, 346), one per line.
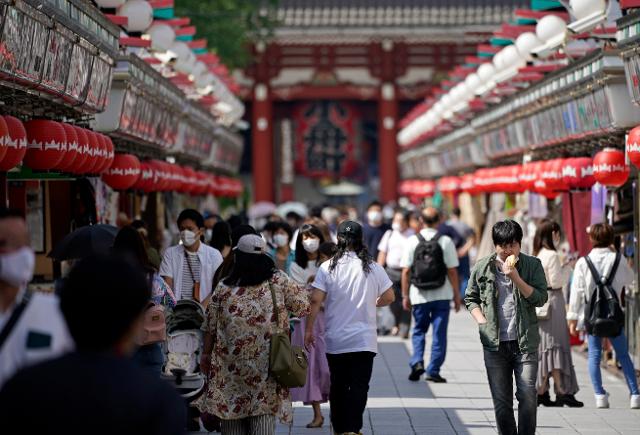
(350, 376)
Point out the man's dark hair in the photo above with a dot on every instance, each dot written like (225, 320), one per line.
(95, 324)
(374, 203)
(456, 212)
(270, 227)
(193, 215)
(430, 220)
(6, 213)
(506, 232)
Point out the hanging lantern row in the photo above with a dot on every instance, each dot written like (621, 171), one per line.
(127, 172)
(548, 177)
(45, 145)
(417, 190)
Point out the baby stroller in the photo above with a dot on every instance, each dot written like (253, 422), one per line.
(183, 349)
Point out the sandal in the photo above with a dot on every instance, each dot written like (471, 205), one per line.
(314, 425)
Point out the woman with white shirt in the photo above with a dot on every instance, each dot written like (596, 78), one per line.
(554, 350)
(390, 251)
(303, 271)
(603, 258)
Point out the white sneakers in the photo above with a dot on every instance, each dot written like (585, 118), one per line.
(602, 400)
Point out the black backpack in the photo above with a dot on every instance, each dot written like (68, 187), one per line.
(603, 315)
(428, 271)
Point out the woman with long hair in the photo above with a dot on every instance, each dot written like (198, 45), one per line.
(303, 271)
(129, 244)
(237, 335)
(221, 238)
(351, 285)
(554, 350)
(227, 264)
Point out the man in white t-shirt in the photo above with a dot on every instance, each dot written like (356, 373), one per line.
(32, 328)
(351, 285)
(189, 268)
(430, 305)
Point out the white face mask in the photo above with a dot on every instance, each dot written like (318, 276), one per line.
(16, 268)
(396, 226)
(207, 234)
(188, 238)
(556, 243)
(311, 245)
(375, 217)
(280, 240)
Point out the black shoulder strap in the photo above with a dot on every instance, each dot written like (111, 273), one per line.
(614, 269)
(15, 316)
(594, 272)
(436, 237)
(421, 238)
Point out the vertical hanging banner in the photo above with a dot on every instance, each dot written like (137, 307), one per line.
(286, 161)
(327, 139)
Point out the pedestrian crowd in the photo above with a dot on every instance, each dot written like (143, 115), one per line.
(232, 323)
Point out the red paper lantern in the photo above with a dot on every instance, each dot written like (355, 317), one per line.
(609, 167)
(449, 185)
(191, 180)
(109, 152)
(16, 143)
(103, 152)
(46, 144)
(526, 177)
(95, 153)
(72, 148)
(577, 173)
(146, 180)
(79, 165)
(633, 146)
(4, 138)
(467, 185)
(552, 175)
(213, 185)
(123, 173)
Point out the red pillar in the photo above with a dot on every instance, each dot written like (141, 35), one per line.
(387, 145)
(262, 145)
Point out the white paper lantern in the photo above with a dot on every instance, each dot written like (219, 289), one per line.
(526, 43)
(551, 29)
(204, 80)
(162, 37)
(438, 108)
(447, 101)
(512, 57)
(185, 59)
(585, 8)
(110, 4)
(499, 61)
(139, 14)
(486, 71)
(198, 69)
(473, 82)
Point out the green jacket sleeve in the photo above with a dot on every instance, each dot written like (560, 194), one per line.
(472, 293)
(538, 281)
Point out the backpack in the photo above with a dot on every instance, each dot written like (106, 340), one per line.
(603, 316)
(428, 271)
(154, 328)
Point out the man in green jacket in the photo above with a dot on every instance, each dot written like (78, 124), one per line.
(503, 291)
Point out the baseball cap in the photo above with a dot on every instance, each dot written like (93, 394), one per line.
(251, 244)
(350, 229)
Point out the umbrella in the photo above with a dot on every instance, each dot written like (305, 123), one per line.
(261, 209)
(343, 188)
(297, 207)
(85, 241)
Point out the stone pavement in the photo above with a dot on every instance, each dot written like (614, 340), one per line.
(463, 405)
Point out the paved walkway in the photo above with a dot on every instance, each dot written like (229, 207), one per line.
(463, 405)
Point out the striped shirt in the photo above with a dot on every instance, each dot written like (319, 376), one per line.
(186, 292)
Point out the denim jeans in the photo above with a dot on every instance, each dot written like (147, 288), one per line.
(501, 367)
(619, 343)
(436, 313)
(150, 358)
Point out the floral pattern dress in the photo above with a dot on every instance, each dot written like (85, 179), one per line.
(241, 320)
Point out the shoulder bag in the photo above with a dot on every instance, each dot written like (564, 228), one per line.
(287, 364)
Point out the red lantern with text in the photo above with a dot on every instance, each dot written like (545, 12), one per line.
(577, 173)
(123, 173)
(46, 144)
(94, 151)
(4, 138)
(145, 181)
(16, 143)
(109, 152)
(191, 180)
(72, 147)
(467, 185)
(609, 167)
(633, 146)
(203, 182)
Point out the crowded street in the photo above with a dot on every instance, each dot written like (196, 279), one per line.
(336, 217)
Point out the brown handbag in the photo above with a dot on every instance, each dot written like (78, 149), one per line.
(287, 364)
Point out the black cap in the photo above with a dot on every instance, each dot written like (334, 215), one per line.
(350, 229)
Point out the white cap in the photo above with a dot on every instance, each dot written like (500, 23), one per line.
(251, 244)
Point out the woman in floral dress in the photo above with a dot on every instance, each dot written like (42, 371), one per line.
(238, 329)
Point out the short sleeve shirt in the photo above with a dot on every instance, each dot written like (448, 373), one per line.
(450, 259)
(350, 305)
